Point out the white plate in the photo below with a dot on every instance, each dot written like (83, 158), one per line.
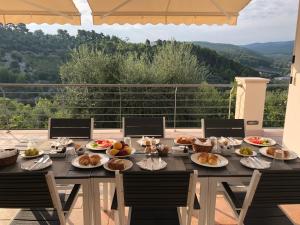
(41, 152)
(246, 161)
(89, 145)
(222, 161)
(128, 164)
(28, 164)
(271, 141)
(148, 164)
(142, 142)
(104, 159)
(292, 155)
(124, 156)
(237, 151)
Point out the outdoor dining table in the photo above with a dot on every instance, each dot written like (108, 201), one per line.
(90, 179)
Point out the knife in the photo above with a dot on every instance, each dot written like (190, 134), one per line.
(38, 162)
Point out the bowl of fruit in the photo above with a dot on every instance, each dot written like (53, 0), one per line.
(120, 150)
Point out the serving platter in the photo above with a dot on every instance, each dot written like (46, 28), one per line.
(222, 161)
(104, 159)
(270, 141)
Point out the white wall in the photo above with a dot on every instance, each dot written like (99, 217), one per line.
(291, 136)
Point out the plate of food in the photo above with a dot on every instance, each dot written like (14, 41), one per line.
(120, 150)
(89, 161)
(31, 153)
(184, 140)
(245, 151)
(101, 144)
(118, 164)
(270, 152)
(255, 163)
(259, 141)
(209, 159)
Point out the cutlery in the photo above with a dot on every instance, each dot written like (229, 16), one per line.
(38, 162)
(152, 164)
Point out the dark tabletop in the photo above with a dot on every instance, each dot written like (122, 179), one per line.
(63, 169)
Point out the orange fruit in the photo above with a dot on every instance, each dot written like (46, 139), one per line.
(118, 145)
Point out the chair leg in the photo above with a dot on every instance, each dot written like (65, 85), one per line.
(183, 215)
(116, 217)
(105, 196)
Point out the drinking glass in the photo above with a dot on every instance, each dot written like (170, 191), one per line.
(278, 160)
(127, 140)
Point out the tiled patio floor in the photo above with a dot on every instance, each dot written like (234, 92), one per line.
(224, 214)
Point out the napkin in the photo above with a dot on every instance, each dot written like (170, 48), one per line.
(152, 164)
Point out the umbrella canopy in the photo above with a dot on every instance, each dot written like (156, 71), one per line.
(166, 11)
(39, 11)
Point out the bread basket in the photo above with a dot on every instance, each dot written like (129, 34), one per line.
(198, 147)
(10, 159)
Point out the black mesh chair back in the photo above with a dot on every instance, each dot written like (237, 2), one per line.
(144, 126)
(24, 190)
(169, 189)
(223, 127)
(267, 190)
(277, 187)
(71, 128)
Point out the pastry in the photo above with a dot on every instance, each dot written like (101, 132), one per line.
(212, 159)
(184, 140)
(116, 164)
(208, 158)
(203, 157)
(94, 160)
(84, 160)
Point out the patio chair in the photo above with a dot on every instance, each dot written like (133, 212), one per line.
(71, 128)
(267, 190)
(36, 195)
(154, 197)
(144, 126)
(223, 127)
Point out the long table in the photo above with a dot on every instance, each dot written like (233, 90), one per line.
(90, 179)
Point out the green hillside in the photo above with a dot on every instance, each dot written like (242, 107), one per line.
(271, 58)
(36, 57)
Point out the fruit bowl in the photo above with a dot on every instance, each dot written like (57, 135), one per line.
(120, 150)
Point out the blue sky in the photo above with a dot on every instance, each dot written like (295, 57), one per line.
(260, 21)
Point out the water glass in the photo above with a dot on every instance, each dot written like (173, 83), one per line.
(70, 154)
(127, 140)
(278, 160)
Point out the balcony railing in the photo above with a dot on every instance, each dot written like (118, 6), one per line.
(28, 106)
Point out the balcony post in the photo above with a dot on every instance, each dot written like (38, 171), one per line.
(250, 103)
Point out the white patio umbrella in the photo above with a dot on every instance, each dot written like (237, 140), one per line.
(166, 11)
(39, 11)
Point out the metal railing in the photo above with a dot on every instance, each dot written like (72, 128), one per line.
(28, 106)
(183, 105)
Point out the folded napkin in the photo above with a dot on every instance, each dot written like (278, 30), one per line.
(152, 164)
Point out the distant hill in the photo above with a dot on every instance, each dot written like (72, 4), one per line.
(272, 48)
(270, 58)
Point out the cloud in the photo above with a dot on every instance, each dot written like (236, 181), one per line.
(260, 21)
